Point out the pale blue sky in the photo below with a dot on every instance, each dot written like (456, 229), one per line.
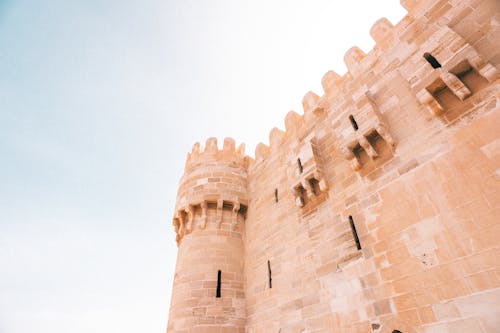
(100, 102)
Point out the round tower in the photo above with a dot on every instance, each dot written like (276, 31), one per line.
(211, 204)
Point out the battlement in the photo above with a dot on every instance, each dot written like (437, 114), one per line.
(374, 210)
(210, 152)
(459, 58)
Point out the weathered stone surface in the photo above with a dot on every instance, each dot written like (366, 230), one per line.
(419, 190)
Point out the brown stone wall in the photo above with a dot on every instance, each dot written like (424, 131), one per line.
(406, 145)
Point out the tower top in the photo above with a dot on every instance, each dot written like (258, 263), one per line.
(211, 153)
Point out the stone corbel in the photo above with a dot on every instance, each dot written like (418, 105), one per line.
(203, 223)
(220, 204)
(425, 97)
(383, 131)
(176, 224)
(190, 217)
(236, 209)
(307, 186)
(363, 142)
(298, 194)
(323, 186)
(455, 85)
(349, 155)
(182, 225)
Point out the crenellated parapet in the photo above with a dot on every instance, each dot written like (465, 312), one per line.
(214, 184)
(211, 152)
(365, 212)
(435, 60)
(397, 51)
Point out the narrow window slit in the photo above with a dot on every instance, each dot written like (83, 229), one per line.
(217, 292)
(354, 233)
(275, 195)
(269, 273)
(299, 164)
(353, 122)
(431, 60)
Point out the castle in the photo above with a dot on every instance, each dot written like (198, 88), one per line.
(377, 210)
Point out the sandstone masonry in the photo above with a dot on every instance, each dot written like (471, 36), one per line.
(376, 210)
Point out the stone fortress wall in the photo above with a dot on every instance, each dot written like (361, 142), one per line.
(376, 210)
